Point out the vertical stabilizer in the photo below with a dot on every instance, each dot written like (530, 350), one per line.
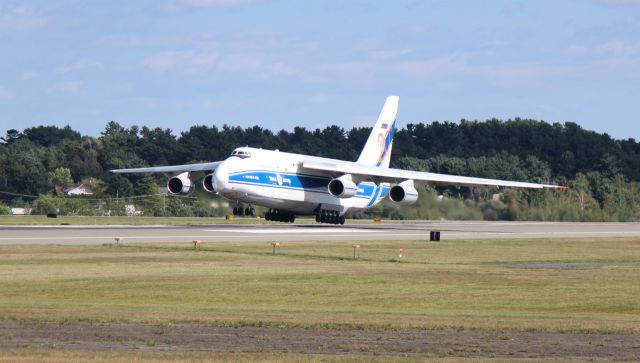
(377, 150)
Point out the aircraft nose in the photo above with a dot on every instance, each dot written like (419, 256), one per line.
(221, 177)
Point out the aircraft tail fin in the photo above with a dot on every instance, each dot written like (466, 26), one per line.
(377, 150)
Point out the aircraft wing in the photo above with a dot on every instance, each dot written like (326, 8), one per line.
(398, 175)
(171, 169)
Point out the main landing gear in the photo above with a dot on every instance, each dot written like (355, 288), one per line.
(239, 211)
(279, 216)
(329, 216)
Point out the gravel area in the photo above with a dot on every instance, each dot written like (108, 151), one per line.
(430, 343)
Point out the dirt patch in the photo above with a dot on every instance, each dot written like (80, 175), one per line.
(564, 265)
(441, 343)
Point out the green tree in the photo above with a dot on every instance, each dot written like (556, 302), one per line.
(4, 210)
(47, 204)
(61, 177)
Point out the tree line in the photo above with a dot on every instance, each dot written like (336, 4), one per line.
(603, 172)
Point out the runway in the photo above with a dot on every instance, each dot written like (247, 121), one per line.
(96, 235)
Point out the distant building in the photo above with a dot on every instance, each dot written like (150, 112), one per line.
(20, 211)
(79, 189)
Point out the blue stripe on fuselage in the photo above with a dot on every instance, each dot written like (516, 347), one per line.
(293, 181)
(375, 196)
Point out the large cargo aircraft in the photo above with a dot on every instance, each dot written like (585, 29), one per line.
(294, 184)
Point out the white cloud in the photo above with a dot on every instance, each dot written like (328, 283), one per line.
(618, 2)
(609, 51)
(219, 3)
(187, 61)
(29, 75)
(252, 64)
(353, 6)
(80, 65)
(5, 94)
(15, 17)
(418, 28)
(619, 48)
(321, 98)
(389, 54)
(70, 87)
(145, 41)
(575, 50)
(422, 68)
(522, 74)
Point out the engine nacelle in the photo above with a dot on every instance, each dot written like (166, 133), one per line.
(207, 183)
(404, 193)
(342, 187)
(180, 184)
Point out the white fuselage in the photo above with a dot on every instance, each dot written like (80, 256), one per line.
(277, 180)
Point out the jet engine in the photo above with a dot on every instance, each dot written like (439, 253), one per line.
(342, 187)
(180, 184)
(207, 183)
(404, 193)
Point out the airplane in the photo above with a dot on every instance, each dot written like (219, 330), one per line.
(294, 184)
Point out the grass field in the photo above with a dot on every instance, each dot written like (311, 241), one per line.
(67, 220)
(438, 285)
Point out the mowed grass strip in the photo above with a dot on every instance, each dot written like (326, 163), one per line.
(29, 220)
(450, 284)
(119, 220)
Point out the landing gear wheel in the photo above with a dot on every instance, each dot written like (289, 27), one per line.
(342, 220)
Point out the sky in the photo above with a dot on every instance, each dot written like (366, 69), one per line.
(285, 63)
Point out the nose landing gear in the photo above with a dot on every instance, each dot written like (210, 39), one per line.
(329, 216)
(240, 211)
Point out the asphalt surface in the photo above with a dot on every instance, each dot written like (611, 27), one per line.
(96, 235)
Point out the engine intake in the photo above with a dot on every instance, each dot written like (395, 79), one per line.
(207, 183)
(404, 193)
(342, 187)
(180, 184)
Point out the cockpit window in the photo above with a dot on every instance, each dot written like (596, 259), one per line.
(241, 154)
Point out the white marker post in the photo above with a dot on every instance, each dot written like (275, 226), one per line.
(401, 254)
(356, 251)
(275, 246)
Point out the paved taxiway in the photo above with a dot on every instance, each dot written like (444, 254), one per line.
(95, 235)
